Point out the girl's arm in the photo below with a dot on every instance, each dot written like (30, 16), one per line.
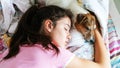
(102, 59)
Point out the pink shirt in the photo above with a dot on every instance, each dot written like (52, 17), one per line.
(38, 57)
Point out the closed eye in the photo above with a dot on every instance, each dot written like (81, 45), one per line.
(66, 29)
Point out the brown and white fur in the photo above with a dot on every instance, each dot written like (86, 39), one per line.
(85, 23)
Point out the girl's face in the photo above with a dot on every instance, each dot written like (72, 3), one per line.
(60, 34)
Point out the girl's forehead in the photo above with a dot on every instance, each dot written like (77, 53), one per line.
(65, 20)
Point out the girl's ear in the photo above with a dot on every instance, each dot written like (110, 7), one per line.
(48, 25)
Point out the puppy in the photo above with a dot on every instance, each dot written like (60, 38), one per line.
(85, 23)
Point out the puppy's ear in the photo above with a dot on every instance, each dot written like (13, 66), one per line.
(81, 18)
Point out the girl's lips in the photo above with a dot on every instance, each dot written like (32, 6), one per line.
(67, 42)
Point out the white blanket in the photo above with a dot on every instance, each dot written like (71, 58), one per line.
(80, 47)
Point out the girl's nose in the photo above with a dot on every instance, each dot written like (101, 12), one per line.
(69, 37)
